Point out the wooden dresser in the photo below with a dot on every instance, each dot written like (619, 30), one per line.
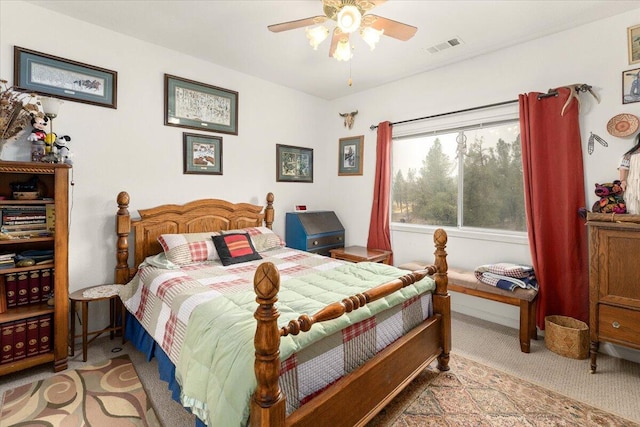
(614, 281)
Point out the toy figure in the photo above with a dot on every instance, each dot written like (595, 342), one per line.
(61, 149)
(39, 131)
(630, 178)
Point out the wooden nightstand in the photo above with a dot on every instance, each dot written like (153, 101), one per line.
(360, 253)
(92, 294)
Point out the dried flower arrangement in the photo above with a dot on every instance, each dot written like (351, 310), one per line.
(15, 111)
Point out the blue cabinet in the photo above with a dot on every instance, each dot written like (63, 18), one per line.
(314, 231)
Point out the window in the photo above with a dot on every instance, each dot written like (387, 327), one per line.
(468, 176)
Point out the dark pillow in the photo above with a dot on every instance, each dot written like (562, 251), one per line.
(235, 248)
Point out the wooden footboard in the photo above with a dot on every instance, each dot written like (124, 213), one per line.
(383, 377)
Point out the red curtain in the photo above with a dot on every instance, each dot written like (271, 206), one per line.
(379, 234)
(554, 192)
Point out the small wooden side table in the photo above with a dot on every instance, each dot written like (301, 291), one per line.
(360, 253)
(92, 294)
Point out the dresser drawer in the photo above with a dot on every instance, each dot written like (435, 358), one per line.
(332, 240)
(619, 324)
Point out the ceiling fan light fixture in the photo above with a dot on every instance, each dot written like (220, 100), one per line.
(349, 18)
(317, 35)
(343, 51)
(371, 36)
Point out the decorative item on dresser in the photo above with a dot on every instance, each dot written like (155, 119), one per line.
(34, 325)
(317, 231)
(614, 280)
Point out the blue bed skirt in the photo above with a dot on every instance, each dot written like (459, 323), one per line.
(141, 339)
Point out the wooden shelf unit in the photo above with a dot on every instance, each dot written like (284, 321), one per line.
(54, 189)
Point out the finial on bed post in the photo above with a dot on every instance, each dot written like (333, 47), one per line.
(268, 211)
(268, 403)
(441, 299)
(123, 228)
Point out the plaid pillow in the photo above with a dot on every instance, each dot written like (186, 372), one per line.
(183, 249)
(235, 248)
(263, 238)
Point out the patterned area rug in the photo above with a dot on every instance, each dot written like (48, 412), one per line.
(107, 395)
(471, 394)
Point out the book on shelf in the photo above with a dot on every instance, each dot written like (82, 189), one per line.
(45, 284)
(22, 289)
(11, 287)
(6, 342)
(44, 333)
(51, 217)
(34, 287)
(32, 336)
(20, 340)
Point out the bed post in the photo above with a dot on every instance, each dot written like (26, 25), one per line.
(268, 211)
(123, 228)
(441, 299)
(268, 402)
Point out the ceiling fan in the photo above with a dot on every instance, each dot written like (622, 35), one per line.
(349, 15)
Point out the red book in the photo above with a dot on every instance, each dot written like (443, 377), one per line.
(11, 286)
(20, 339)
(44, 332)
(45, 284)
(32, 336)
(6, 342)
(34, 286)
(23, 289)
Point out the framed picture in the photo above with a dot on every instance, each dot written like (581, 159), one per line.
(200, 106)
(350, 155)
(63, 78)
(294, 164)
(202, 154)
(633, 39)
(631, 86)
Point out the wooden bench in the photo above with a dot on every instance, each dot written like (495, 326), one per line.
(465, 282)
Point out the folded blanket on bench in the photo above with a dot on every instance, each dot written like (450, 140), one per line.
(507, 276)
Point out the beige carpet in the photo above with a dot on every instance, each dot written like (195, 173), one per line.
(615, 388)
(104, 394)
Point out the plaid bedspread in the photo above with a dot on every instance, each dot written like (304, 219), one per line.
(189, 310)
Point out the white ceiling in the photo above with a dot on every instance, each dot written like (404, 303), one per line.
(234, 34)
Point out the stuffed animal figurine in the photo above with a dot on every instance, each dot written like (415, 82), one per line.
(611, 200)
(39, 124)
(61, 149)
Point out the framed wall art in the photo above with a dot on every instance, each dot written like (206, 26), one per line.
(633, 40)
(202, 154)
(350, 155)
(631, 86)
(200, 106)
(63, 78)
(294, 164)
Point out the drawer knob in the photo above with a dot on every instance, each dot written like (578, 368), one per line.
(315, 243)
(616, 325)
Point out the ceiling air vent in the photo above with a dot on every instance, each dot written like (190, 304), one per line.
(456, 41)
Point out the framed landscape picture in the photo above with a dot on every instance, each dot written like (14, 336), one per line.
(633, 39)
(350, 155)
(200, 106)
(63, 78)
(202, 154)
(631, 86)
(294, 164)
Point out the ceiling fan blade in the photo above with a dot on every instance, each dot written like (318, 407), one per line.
(392, 28)
(377, 3)
(292, 25)
(335, 38)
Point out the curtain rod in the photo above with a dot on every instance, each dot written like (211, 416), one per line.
(372, 127)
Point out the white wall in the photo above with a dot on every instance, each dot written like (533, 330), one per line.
(130, 149)
(595, 54)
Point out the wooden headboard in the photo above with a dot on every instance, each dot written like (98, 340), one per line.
(205, 215)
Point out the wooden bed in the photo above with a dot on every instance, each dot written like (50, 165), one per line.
(345, 403)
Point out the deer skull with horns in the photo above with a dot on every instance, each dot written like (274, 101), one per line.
(349, 118)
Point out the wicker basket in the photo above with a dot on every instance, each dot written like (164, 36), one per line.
(566, 336)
